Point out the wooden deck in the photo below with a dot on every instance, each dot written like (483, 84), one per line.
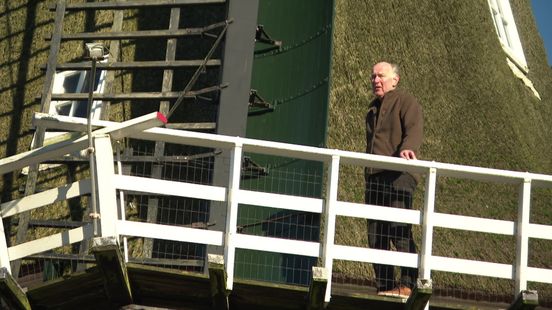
(113, 284)
(154, 287)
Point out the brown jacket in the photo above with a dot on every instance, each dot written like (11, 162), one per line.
(392, 125)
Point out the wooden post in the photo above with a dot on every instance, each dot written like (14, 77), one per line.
(522, 238)
(317, 289)
(420, 295)
(107, 195)
(217, 279)
(113, 269)
(4, 256)
(232, 212)
(525, 300)
(427, 225)
(11, 293)
(329, 222)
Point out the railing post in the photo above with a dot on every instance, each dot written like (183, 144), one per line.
(121, 198)
(107, 197)
(427, 225)
(232, 213)
(522, 240)
(329, 219)
(4, 257)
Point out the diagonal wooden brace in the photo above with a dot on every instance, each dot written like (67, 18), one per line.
(217, 279)
(420, 295)
(111, 265)
(11, 293)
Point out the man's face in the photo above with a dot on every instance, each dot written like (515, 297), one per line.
(383, 79)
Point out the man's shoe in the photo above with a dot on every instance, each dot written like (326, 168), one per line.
(400, 292)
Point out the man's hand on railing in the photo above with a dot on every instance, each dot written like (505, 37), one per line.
(407, 154)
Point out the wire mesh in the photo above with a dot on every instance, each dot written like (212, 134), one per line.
(274, 267)
(306, 179)
(473, 288)
(182, 164)
(453, 196)
(286, 176)
(52, 265)
(54, 218)
(281, 176)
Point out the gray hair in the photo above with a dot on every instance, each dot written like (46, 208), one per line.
(395, 68)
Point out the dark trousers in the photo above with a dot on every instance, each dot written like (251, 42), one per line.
(381, 234)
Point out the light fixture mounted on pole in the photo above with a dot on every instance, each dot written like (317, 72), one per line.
(95, 51)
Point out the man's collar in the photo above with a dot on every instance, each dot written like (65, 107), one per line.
(389, 93)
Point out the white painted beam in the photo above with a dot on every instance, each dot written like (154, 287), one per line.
(106, 192)
(232, 202)
(45, 198)
(471, 223)
(368, 255)
(427, 225)
(381, 213)
(277, 245)
(172, 188)
(51, 242)
(279, 201)
(56, 150)
(308, 152)
(472, 267)
(168, 232)
(327, 250)
(539, 275)
(522, 237)
(540, 231)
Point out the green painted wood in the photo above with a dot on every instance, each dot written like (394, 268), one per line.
(294, 79)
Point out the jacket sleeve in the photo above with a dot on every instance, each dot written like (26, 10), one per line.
(413, 126)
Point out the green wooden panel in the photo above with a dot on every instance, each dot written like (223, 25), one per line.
(294, 79)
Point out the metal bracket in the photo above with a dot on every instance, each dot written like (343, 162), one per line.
(263, 37)
(256, 101)
(251, 169)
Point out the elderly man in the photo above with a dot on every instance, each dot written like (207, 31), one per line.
(394, 127)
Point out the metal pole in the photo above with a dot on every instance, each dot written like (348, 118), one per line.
(94, 215)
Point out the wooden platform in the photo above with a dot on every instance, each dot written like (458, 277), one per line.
(170, 289)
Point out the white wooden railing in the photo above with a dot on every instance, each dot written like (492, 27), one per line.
(329, 207)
